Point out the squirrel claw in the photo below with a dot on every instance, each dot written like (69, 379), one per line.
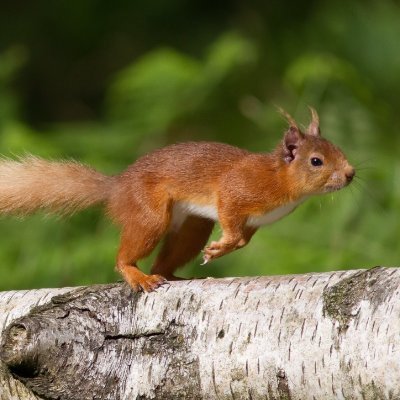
(147, 284)
(206, 259)
(152, 283)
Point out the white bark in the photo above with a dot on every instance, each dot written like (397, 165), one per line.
(313, 336)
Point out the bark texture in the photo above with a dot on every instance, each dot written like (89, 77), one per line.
(313, 336)
(13, 305)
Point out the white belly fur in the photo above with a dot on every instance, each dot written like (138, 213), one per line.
(182, 209)
(272, 216)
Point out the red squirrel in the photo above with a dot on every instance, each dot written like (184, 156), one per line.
(178, 192)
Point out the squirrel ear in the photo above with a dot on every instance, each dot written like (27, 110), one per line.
(313, 128)
(292, 138)
(291, 142)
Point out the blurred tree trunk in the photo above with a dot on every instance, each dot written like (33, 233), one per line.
(313, 336)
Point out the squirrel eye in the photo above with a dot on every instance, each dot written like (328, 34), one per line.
(316, 162)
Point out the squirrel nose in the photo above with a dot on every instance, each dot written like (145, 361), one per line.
(350, 174)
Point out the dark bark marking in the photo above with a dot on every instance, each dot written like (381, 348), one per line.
(314, 334)
(231, 390)
(302, 327)
(256, 327)
(342, 299)
(249, 392)
(270, 322)
(283, 311)
(248, 338)
(314, 283)
(213, 379)
(283, 386)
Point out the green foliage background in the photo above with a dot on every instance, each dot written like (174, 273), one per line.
(105, 82)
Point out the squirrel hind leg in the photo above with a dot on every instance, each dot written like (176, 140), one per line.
(182, 245)
(137, 241)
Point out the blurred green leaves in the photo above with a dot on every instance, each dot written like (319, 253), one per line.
(155, 90)
(11, 62)
(229, 53)
(323, 69)
(165, 85)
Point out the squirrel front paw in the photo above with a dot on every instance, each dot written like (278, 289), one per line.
(215, 250)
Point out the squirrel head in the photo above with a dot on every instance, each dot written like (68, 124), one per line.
(313, 164)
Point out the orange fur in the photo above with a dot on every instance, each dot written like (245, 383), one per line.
(31, 183)
(182, 245)
(178, 192)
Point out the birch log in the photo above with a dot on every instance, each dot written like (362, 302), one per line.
(313, 336)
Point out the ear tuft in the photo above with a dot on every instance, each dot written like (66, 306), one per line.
(291, 142)
(292, 123)
(313, 128)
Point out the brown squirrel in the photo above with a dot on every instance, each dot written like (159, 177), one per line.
(178, 192)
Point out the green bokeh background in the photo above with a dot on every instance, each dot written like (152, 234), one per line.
(105, 82)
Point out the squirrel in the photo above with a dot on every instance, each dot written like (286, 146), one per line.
(178, 192)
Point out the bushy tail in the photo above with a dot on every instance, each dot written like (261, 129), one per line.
(31, 183)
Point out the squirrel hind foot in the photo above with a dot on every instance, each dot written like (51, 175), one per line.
(152, 282)
(139, 281)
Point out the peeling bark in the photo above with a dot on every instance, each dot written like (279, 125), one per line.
(313, 336)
